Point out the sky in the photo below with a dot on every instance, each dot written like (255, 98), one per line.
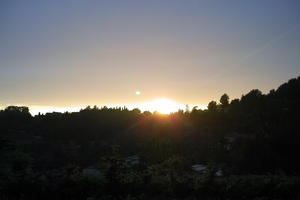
(67, 54)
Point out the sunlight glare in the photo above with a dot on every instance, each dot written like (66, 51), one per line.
(163, 106)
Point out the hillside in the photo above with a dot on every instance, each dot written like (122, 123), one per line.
(249, 144)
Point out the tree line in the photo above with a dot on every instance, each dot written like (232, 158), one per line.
(254, 141)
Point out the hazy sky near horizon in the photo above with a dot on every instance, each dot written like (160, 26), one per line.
(69, 53)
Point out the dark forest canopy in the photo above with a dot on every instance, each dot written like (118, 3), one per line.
(257, 135)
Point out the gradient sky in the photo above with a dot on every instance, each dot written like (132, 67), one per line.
(56, 53)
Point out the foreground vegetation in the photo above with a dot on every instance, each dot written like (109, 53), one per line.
(249, 148)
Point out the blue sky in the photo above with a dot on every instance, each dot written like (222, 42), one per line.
(75, 53)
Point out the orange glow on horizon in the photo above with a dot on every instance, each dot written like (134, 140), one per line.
(160, 105)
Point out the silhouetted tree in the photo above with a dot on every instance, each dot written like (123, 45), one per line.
(224, 100)
(137, 111)
(212, 106)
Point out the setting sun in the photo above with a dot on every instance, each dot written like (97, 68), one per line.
(163, 106)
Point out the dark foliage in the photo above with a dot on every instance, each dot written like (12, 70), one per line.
(116, 153)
